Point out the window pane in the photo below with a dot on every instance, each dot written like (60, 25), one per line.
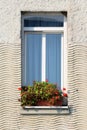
(53, 58)
(44, 21)
(32, 67)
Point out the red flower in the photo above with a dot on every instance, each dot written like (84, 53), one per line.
(46, 80)
(56, 93)
(65, 95)
(19, 88)
(64, 89)
(57, 97)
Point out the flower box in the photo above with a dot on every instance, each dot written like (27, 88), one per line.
(42, 94)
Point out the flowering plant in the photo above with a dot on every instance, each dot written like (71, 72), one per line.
(41, 94)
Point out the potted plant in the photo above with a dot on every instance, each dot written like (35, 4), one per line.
(41, 94)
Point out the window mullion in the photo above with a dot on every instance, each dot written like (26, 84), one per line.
(43, 57)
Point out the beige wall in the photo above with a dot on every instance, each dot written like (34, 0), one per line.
(10, 65)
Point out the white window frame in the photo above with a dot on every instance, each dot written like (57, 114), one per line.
(44, 30)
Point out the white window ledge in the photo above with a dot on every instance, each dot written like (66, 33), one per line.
(44, 110)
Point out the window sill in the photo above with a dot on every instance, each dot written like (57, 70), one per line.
(43, 110)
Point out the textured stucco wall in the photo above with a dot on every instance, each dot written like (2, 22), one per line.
(10, 65)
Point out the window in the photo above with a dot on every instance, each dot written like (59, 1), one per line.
(44, 49)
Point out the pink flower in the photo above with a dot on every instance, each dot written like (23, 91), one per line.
(46, 80)
(19, 88)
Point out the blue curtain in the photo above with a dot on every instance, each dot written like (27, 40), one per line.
(53, 58)
(33, 58)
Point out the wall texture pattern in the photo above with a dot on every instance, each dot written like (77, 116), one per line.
(10, 65)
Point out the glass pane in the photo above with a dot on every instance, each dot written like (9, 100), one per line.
(32, 67)
(53, 58)
(44, 21)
